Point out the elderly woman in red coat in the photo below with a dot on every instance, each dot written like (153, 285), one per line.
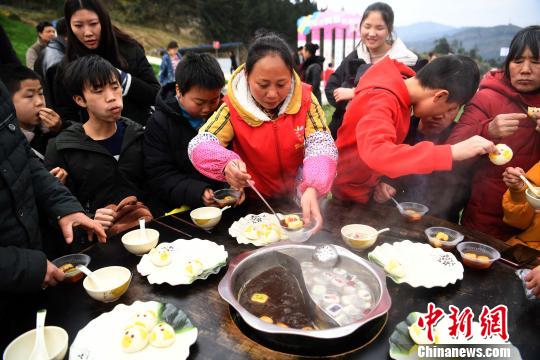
(498, 112)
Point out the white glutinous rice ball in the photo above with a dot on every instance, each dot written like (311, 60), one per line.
(502, 156)
(134, 338)
(162, 335)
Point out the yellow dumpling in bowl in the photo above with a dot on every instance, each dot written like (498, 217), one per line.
(162, 335)
(502, 156)
(134, 338)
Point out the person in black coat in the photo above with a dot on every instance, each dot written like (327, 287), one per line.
(139, 83)
(312, 69)
(181, 109)
(27, 190)
(103, 157)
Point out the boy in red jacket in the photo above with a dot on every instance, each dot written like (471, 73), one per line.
(370, 141)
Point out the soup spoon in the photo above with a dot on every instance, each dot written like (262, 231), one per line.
(400, 208)
(39, 352)
(91, 275)
(533, 188)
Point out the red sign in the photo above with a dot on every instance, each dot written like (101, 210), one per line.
(216, 45)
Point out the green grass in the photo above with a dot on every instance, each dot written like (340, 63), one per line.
(22, 36)
(156, 69)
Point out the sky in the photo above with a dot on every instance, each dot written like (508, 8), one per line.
(451, 12)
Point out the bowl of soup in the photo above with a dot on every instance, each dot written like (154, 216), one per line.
(477, 255)
(412, 211)
(56, 341)
(112, 282)
(358, 236)
(206, 217)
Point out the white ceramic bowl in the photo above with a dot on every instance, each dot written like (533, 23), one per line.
(139, 246)
(206, 217)
(56, 340)
(114, 281)
(350, 234)
(533, 200)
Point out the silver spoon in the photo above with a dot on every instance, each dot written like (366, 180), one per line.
(252, 185)
(325, 256)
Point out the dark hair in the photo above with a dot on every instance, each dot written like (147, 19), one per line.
(42, 25)
(528, 37)
(88, 71)
(269, 44)
(61, 27)
(311, 48)
(109, 38)
(386, 12)
(200, 70)
(13, 74)
(457, 74)
(172, 45)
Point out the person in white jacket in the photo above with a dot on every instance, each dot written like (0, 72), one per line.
(376, 42)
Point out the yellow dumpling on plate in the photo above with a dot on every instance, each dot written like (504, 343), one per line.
(134, 338)
(162, 335)
(160, 256)
(147, 319)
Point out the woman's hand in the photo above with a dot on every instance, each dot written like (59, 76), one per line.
(343, 94)
(310, 208)
(511, 178)
(383, 192)
(236, 174)
(505, 124)
(105, 217)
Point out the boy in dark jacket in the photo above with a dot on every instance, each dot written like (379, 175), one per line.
(28, 191)
(38, 123)
(181, 109)
(104, 157)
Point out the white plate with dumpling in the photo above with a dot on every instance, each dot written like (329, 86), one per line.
(417, 264)
(259, 230)
(142, 330)
(182, 261)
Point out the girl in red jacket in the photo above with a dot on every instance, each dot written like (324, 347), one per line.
(370, 141)
(276, 129)
(498, 112)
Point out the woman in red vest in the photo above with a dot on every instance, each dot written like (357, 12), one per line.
(276, 131)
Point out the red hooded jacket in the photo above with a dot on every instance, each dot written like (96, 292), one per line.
(496, 96)
(370, 141)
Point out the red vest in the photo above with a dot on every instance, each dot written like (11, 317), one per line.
(274, 150)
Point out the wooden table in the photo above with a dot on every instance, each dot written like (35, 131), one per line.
(219, 338)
